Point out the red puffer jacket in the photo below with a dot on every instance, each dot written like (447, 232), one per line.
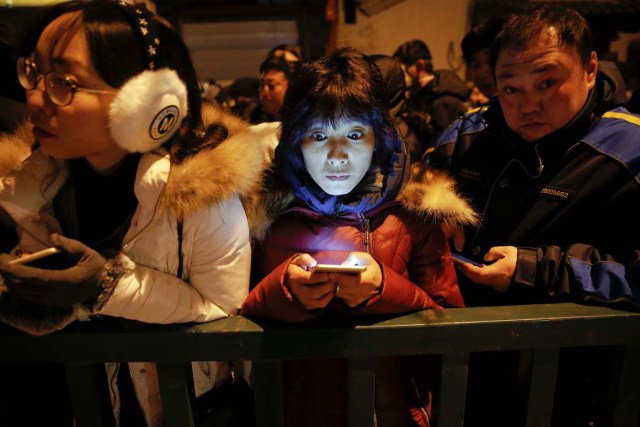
(412, 252)
(404, 236)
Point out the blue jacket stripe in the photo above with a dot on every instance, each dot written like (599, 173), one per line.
(605, 281)
(617, 135)
(469, 123)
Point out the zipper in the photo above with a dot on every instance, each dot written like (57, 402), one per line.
(367, 234)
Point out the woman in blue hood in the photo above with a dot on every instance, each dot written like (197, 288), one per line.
(340, 194)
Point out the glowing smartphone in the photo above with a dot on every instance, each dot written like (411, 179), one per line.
(35, 256)
(335, 268)
(48, 259)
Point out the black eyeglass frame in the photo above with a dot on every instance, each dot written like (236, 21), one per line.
(49, 85)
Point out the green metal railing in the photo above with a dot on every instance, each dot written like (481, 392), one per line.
(541, 330)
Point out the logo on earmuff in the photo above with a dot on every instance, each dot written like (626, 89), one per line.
(164, 122)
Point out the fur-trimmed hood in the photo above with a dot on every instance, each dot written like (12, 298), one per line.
(234, 166)
(431, 193)
(15, 147)
(199, 185)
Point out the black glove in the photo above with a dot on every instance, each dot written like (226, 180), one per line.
(62, 288)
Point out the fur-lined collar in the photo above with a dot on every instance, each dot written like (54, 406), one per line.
(235, 166)
(15, 147)
(433, 193)
(429, 192)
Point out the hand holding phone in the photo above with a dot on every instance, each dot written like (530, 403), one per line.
(73, 275)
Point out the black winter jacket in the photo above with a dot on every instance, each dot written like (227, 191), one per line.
(569, 202)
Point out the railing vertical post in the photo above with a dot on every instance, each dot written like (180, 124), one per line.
(266, 379)
(177, 393)
(627, 411)
(453, 389)
(360, 392)
(544, 373)
(89, 393)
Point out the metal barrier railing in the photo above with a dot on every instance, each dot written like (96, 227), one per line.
(541, 330)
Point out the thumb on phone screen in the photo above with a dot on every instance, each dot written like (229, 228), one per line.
(304, 261)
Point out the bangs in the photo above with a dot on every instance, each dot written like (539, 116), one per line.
(333, 117)
(66, 27)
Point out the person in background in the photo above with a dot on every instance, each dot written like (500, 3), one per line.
(476, 52)
(135, 183)
(340, 194)
(289, 52)
(553, 166)
(275, 73)
(393, 75)
(209, 90)
(240, 97)
(437, 97)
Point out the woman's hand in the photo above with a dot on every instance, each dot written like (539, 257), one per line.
(354, 289)
(497, 275)
(313, 290)
(62, 288)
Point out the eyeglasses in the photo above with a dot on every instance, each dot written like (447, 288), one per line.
(59, 88)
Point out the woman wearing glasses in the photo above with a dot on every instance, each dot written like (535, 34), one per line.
(133, 172)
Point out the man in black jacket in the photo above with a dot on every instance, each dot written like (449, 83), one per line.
(437, 97)
(553, 168)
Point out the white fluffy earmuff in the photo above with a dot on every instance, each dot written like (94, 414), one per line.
(148, 110)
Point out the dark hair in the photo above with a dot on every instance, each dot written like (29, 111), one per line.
(279, 50)
(568, 26)
(393, 78)
(279, 63)
(110, 34)
(346, 84)
(481, 37)
(409, 52)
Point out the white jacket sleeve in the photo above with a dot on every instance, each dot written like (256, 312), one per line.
(216, 266)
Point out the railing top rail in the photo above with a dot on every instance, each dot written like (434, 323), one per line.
(426, 332)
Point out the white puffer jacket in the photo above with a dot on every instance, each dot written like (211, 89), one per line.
(215, 243)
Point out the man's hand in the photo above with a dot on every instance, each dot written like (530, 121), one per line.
(354, 289)
(313, 290)
(62, 288)
(497, 275)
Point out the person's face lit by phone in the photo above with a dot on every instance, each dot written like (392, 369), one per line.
(338, 157)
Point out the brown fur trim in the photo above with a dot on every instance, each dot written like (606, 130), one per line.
(433, 193)
(430, 193)
(263, 208)
(114, 269)
(235, 166)
(15, 147)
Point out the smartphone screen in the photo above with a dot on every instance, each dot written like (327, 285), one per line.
(48, 259)
(335, 268)
(463, 258)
